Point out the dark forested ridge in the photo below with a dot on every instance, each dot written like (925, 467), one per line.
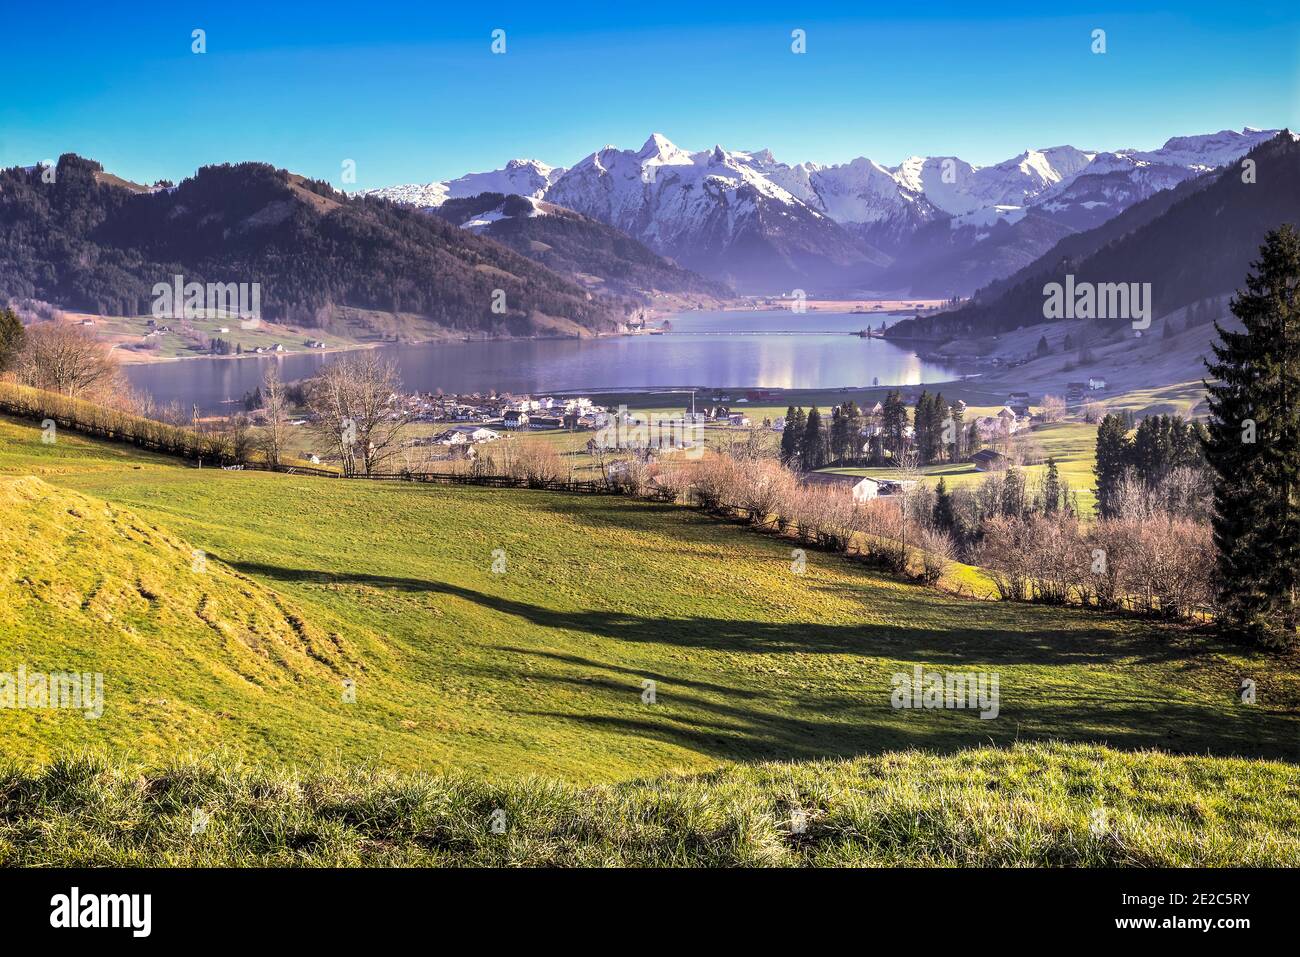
(88, 241)
(1191, 243)
(580, 247)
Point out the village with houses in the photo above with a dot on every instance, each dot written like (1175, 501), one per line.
(461, 424)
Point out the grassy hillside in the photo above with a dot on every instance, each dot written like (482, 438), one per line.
(1035, 805)
(539, 670)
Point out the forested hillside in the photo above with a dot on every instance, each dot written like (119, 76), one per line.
(88, 243)
(1192, 243)
(598, 256)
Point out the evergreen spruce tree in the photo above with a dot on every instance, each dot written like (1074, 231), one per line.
(1112, 458)
(956, 412)
(937, 411)
(12, 337)
(791, 435)
(1254, 447)
(1052, 489)
(928, 423)
(856, 424)
(921, 427)
(1013, 493)
(944, 518)
(812, 450)
(838, 437)
(893, 422)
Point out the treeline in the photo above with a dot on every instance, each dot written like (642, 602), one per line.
(1030, 540)
(100, 247)
(935, 431)
(1164, 457)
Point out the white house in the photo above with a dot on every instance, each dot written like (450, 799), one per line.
(992, 427)
(863, 488)
(515, 419)
(466, 435)
(1096, 383)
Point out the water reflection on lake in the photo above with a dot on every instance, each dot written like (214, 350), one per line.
(774, 350)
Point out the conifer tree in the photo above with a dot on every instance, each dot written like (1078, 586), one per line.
(791, 435)
(12, 337)
(812, 450)
(1254, 447)
(956, 412)
(1112, 456)
(944, 519)
(1052, 488)
(893, 421)
(1013, 493)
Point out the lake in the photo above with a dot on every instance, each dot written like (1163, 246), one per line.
(729, 350)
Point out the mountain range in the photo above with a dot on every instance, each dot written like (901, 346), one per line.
(934, 225)
(1191, 243)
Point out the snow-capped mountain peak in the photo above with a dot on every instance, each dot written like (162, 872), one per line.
(522, 177)
(658, 148)
(698, 206)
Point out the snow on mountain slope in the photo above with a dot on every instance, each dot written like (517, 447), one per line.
(958, 188)
(715, 211)
(513, 205)
(747, 217)
(1148, 171)
(522, 177)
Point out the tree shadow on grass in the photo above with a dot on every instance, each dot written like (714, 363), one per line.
(955, 642)
(745, 727)
(743, 723)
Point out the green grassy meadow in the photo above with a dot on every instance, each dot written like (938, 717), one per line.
(535, 672)
(1026, 805)
(538, 670)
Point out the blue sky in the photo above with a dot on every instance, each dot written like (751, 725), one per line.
(413, 93)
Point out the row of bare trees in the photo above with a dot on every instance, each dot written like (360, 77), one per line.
(1151, 561)
(1162, 565)
(61, 357)
(766, 494)
(119, 425)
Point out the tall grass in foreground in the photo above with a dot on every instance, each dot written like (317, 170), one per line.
(1029, 805)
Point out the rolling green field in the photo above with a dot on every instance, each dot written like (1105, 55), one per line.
(538, 670)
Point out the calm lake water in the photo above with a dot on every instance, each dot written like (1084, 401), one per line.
(708, 349)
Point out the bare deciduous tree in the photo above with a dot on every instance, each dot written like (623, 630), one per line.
(355, 411)
(1053, 408)
(63, 358)
(275, 405)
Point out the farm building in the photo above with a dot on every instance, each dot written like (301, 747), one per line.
(864, 489)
